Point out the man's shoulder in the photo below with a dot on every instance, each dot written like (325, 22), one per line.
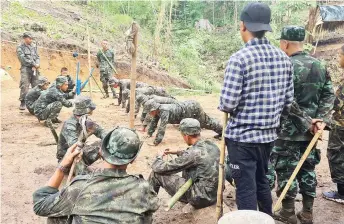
(206, 144)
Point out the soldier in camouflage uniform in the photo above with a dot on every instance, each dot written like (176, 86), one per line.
(34, 93)
(313, 94)
(49, 104)
(108, 195)
(71, 128)
(335, 151)
(29, 60)
(105, 68)
(71, 83)
(174, 113)
(199, 162)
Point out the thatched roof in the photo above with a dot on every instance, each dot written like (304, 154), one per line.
(331, 13)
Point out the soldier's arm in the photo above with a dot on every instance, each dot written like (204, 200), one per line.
(153, 124)
(326, 100)
(98, 55)
(23, 60)
(162, 128)
(300, 118)
(100, 132)
(186, 160)
(70, 133)
(64, 101)
(339, 101)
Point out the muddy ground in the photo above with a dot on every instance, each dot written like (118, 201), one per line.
(27, 165)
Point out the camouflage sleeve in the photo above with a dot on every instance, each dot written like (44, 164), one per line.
(153, 125)
(326, 100)
(64, 101)
(100, 132)
(339, 101)
(299, 118)
(162, 128)
(23, 60)
(69, 132)
(183, 162)
(98, 55)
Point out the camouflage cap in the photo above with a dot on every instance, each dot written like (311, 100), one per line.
(60, 80)
(293, 33)
(113, 81)
(83, 105)
(27, 34)
(152, 105)
(190, 126)
(121, 146)
(42, 81)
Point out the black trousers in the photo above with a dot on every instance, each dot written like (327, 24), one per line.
(248, 164)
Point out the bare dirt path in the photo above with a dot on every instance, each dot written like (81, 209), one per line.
(26, 165)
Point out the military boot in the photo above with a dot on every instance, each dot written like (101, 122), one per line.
(56, 121)
(306, 215)
(287, 213)
(22, 105)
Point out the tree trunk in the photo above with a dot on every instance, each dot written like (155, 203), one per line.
(158, 28)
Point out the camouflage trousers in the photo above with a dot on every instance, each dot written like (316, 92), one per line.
(335, 154)
(50, 112)
(27, 78)
(284, 159)
(104, 78)
(172, 183)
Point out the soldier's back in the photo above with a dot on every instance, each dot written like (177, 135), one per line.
(47, 97)
(32, 95)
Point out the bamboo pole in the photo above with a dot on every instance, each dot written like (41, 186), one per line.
(178, 194)
(219, 203)
(89, 59)
(298, 167)
(135, 30)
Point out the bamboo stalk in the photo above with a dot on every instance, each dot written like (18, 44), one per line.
(298, 167)
(219, 202)
(135, 29)
(89, 59)
(178, 195)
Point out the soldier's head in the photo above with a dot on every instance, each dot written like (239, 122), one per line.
(43, 83)
(191, 130)
(255, 21)
(341, 57)
(291, 40)
(62, 83)
(64, 71)
(104, 44)
(120, 147)
(113, 82)
(153, 107)
(83, 105)
(27, 37)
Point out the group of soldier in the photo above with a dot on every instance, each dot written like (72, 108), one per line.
(277, 99)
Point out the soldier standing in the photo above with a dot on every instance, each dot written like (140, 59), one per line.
(108, 195)
(335, 151)
(199, 162)
(28, 56)
(313, 93)
(34, 93)
(106, 56)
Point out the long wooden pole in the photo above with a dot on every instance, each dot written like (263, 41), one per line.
(298, 167)
(89, 60)
(219, 203)
(184, 188)
(135, 29)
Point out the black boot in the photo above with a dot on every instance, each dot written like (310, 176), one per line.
(287, 213)
(306, 215)
(22, 105)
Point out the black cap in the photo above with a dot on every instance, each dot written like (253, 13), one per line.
(256, 17)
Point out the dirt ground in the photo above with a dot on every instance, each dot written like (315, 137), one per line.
(26, 164)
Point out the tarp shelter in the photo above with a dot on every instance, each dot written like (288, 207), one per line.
(324, 18)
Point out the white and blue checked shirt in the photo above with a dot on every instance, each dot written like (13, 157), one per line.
(258, 87)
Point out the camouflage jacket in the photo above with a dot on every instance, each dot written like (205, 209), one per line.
(69, 135)
(124, 84)
(105, 196)
(200, 163)
(52, 95)
(71, 83)
(338, 116)
(313, 93)
(32, 96)
(104, 65)
(160, 100)
(28, 55)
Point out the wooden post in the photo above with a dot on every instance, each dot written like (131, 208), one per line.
(134, 30)
(219, 202)
(89, 59)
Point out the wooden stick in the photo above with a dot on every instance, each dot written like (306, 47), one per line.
(219, 203)
(89, 60)
(135, 29)
(298, 167)
(109, 62)
(71, 171)
(178, 195)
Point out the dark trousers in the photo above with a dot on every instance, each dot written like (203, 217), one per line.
(248, 163)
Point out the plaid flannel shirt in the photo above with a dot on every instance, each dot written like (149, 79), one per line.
(257, 90)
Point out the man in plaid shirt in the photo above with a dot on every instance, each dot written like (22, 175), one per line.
(257, 91)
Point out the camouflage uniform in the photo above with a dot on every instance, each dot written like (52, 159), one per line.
(106, 70)
(125, 84)
(105, 196)
(174, 113)
(28, 57)
(34, 93)
(49, 104)
(313, 94)
(71, 83)
(199, 162)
